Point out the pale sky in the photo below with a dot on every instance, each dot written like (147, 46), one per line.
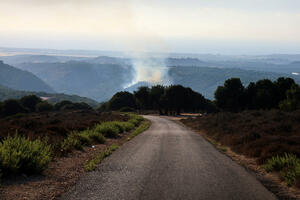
(196, 26)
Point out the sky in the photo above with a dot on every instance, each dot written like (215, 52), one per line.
(187, 26)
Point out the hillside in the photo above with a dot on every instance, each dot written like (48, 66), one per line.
(82, 78)
(206, 79)
(7, 93)
(21, 80)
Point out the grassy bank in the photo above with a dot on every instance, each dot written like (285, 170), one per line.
(91, 165)
(272, 137)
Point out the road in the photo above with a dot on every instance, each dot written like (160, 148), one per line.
(168, 161)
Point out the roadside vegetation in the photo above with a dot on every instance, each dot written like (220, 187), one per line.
(260, 121)
(65, 126)
(91, 165)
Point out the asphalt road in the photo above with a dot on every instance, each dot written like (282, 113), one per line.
(168, 161)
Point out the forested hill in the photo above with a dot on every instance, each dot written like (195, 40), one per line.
(21, 80)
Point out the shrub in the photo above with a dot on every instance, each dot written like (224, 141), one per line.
(288, 165)
(98, 137)
(30, 102)
(88, 136)
(127, 126)
(44, 107)
(127, 109)
(277, 163)
(108, 129)
(70, 143)
(62, 104)
(84, 137)
(135, 119)
(20, 155)
(134, 122)
(119, 125)
(291, 175)
(12, 107)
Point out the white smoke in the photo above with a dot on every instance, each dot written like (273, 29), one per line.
(149, 69)
(141, 39)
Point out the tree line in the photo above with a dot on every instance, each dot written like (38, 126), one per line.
(283, 93)
(33, 103)
(233, 96)
(166, 100)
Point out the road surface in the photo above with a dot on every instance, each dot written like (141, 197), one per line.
(168, 161)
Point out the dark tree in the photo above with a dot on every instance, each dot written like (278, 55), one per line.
(156, 94)
(293, 99)
(250, 96)
(266, 95)
(11, 107)
(122, 99)
(61, 105)
(283, 85)
(142, 96)
(30, 102)
(176, 96)
(44, 107)
(230, 97)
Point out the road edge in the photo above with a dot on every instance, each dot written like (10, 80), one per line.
(270, 181)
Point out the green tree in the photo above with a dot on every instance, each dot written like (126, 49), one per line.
(176, 98)
(156, 94)
(230, 97)
(30, 102)
(142, 96)
(283, 85)
(266, 95)
(122, 99)
(293, 99)
(11, 107)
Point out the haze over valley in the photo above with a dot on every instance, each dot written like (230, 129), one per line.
(91, 76)
(150, 99)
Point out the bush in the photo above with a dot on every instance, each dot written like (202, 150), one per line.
(84, 137)
(134, 122)
(108, 129)
(98, 137)
(12, 107)
(44, 107)
(288, 165)
(135, 119)
(20, 155)
(30, 102)
(127, 109)
(62, 104)
(127, 126)
(291, 175)
(70, 143)
(119, 125)
(88, 136)
(278, 163)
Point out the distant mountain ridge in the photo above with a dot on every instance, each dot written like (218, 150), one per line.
(101, 77)
(21, 80)
(96, 81)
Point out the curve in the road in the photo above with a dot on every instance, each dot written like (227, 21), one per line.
(168, 161)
